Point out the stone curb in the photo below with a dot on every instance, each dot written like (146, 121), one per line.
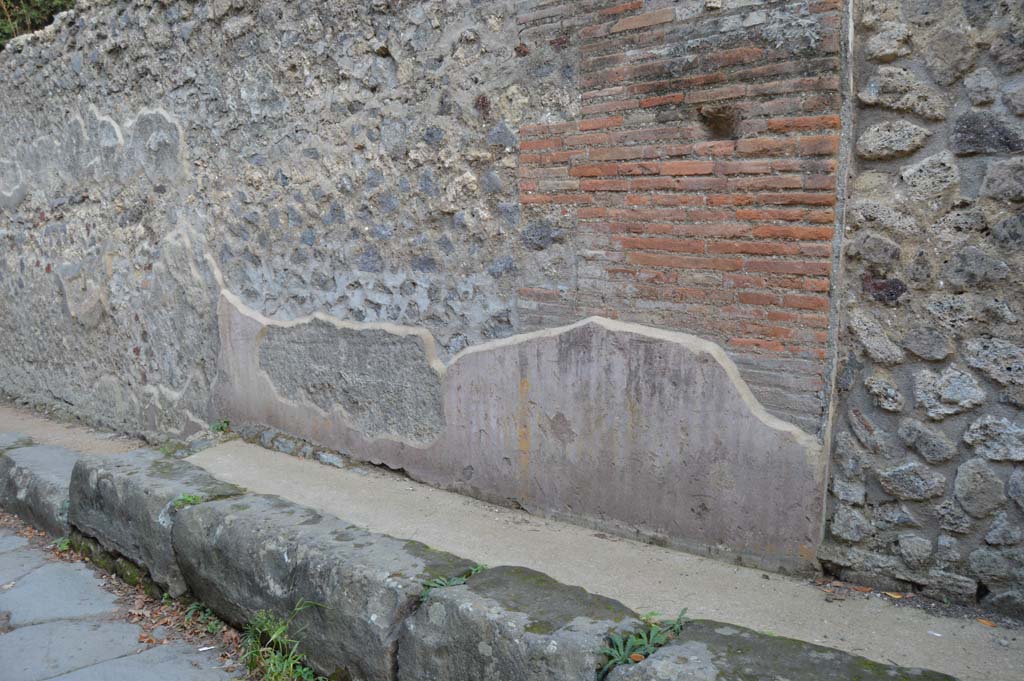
(34, 483)
(128, 503)
(242, 553)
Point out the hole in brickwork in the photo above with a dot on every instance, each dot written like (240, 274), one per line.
(721, 119)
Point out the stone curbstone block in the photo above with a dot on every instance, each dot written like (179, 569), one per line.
(712, 650)
(255, 552)
(510, 623)
(128, 504)
(34, 485)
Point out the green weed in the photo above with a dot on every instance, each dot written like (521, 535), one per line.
(186, 500)
(640, 645)
(271, 650)
(64, 543)
(444, 582)
(222, 426)
(202, 615)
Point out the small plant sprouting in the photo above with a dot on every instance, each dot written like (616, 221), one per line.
(221, 426)
(186, 500)
(63, 544)
(638, 646)
(444, 582)
(271, 650)
(204, 616)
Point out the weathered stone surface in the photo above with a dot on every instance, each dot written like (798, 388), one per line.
(950, 54)
(952, 518)
(1014, 99)
(873, 338)
(850, 525)
(933, 177)
(928, 343)
(949, 585)
(983, 132)
(253, 553)
(886, 392)
(509, 623)
(978, 489)
(1009, 232)
(1003, 532)
(386, 383)
(707, 651)
(521, 414)
(34, 485)
(913, 481)
(890, 42)
(932, 444)
(997, 439)
(952, 392)
(972, 268)
(128, 503)
(873, 248)
(1004, 180)
(900, 90)
(869, 434)
(970, 219)
(999, 359)
(1015, 487)
(982, 87)
(915, 550)
(867, 214)
(892, 139)
(989, 564)
(1010, 602)
(848, 491)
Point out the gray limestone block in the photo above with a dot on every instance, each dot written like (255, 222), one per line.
(711, 650)
(253, 553)
(128, 503)
(509, 623)
(34, 485)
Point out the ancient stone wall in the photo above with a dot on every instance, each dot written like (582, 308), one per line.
(928, 455)
(382, 187)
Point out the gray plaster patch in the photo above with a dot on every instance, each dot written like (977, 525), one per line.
(383, 381)
(57, 591)
(47, 650)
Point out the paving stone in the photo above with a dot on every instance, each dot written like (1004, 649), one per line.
(34, 485)
(706, 651)
(128, 503)
(45, 651)
(175, 661)
(13, 441)
(17, 563)
(57, 591)
(255, 553)
(509, 623)
(11, 542)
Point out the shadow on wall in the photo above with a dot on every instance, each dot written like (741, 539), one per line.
(638, 431)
